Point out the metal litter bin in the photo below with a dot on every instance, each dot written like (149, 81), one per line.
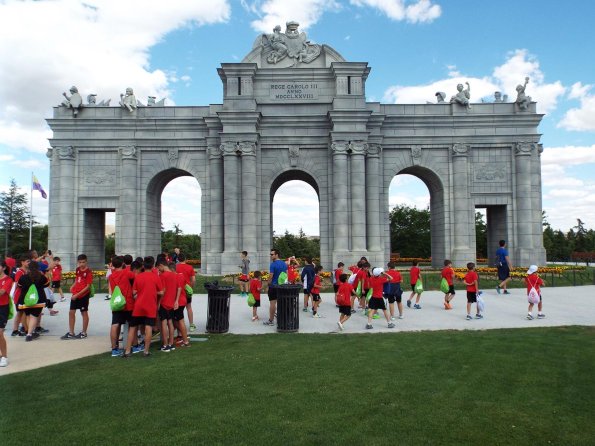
(218, 308)
(288, 314)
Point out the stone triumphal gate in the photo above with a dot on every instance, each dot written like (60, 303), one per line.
(293, 110)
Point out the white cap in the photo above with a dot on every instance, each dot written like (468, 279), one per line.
(377, 271)
(532, 269)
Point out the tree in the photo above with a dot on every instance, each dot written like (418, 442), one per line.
(189, 244)
(410, 231)
(14, 219)
(481, 236)
(299, 246)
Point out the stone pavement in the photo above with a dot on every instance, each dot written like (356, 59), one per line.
(562, 306)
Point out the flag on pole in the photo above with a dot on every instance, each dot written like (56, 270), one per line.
(37, 186)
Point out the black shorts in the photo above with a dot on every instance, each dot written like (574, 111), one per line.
(121, 317)
(135, 321)
(272, 293)
(392, 298)
(35, 312)
(413, 287)
(376, 303)
(3, 316)
(179, 314)
(307, 292)
(256, 304)
(315, 297)
(451, 289)
(503, 271)
(336, 287)
(345, 309)
(82, 303)
(55, 284)
(188, 299)
(471, 297)
(165, 315)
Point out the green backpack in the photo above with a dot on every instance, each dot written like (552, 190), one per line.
(419, 286)
(282, 280)
(369, 294)
(32, 297)
(444, 287)
(358, 289)
(189, 290)
(91, 290)
(251, 300)
(117, 301)
(11, 309)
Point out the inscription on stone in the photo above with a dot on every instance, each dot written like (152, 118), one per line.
(294, 91)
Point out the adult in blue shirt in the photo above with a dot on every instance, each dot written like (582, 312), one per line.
(277, 267)
(504, 266)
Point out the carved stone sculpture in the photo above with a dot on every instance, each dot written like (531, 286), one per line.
(292, 44)
(91, 100)
(74, 101)
(440, 96)
(128, 101)
(522, 100)
(463, 95)
(294, 154)
(151, 101)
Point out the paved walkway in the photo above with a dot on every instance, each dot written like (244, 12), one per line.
(562, 306)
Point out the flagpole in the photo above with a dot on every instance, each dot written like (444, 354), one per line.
(31, 214)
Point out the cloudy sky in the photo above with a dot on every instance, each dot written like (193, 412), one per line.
(415, 48)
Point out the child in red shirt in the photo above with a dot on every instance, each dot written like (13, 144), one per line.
(414, 276)
(121, 278)
(448, 273)
(80, 298)
(167, 303)
(343, 298)
(190, 276)
(182, 339)
(316, 292)
(393, 291)
(147, 287)
(5, 286)
(18, 329)
(57, 278)
(534, 281)
(255, 288)
(471, 279)
(336, 276)
(377, 281)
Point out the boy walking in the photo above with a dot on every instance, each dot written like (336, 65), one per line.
(343, 300)
(307, 276)
(244, 274)
(414, 276)
(79, 300)
(168, 302)
(316, 292)
(277, 267)
(377, 281)
(190, 277)
(448, 273)
(472, 281)
(336, 276)
(534, 281)
(393, 291)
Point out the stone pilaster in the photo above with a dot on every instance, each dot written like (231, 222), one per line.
(340, 224)
(373, 216)
(126, 222)
(358, 195)
(523, 248)
(65, 208)
(463, 216)
(248, 196)
(231, 193)
(216, 199)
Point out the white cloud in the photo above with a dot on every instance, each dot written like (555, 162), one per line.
(582, 118)
(278, 12)
(181, 205)
(414, 12)
(504, 78)
(100, 46)
(295, 206)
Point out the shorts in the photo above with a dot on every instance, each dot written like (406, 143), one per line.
(3, 316)
(471, 297)
(451, 289)
(188, 299)
(392, 298)
(121, 317)
(503, 271)
(135, 321)
(272, 293)
(35, 312)
(345, 309)
(413, 287)
(82, 304)
(376, 303)
(55, 284)
(244, 278)
(165, 314)
(179, 314)
(256, 304)
(336, 287)
(315, 297)
(307, 292)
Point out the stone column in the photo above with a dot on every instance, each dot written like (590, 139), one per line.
(65, 210)
(537, 205)
(216, 199)
(340, 210)
(523, 202)
(373, 217)
(127, 213)
(231, 197)
(248, 197)
(358, 196)
(463, 215)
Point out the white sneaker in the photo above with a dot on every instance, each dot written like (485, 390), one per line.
(3, 361)
(400, 316)
(340, 325)
(392, 318)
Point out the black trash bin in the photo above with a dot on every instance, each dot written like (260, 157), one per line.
(288, 314)
(218, 308)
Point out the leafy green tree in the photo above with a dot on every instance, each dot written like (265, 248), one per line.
(189, 244)
(14, 219)
(300, 246)
(410, 231)
(481, 236)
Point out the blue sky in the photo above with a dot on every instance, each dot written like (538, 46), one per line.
(415, 48)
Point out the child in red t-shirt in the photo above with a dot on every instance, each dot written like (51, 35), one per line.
(393, 291)
(414, 276)
(18, 329)
(190, 276)
(80, 298)
(316, 301)
(448, 273)
(57, 278)
(255, 288)
(376, 302)
(534, 281)
(167, 303)
(336, 275)
(471, 279)
(5, 286)
(343, 298)
(121, 278)
(182, 338)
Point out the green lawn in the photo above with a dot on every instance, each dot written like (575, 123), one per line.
(497, 387)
